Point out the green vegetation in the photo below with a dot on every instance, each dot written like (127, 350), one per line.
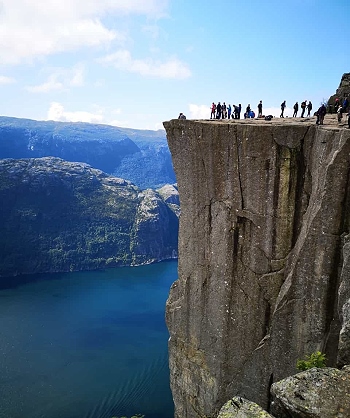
(316, 359)
(62, 216)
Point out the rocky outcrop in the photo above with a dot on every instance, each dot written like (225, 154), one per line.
(343, 90)
(263, 256)
(238, 407)
(61, 216)
(139, 156)
(316, 393)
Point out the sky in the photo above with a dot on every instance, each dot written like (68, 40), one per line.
(137, 63)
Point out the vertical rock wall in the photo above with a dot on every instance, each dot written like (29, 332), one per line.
(264, 221)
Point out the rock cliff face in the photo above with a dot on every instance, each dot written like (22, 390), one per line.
(343, 90)
(264, 246)
(61, 216)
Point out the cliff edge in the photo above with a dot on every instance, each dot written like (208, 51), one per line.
(264, 256)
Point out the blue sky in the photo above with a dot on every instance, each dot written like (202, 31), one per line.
(136, 63)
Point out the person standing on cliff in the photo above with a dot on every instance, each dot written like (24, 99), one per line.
(247, 112)
(296, 108)
(213, 110)
(229, 110)
(336, 105)
(309, 108)
(260, 109)
(283, 106)
(224, 111)
(321, 113)
(303, 107)
(218, 111)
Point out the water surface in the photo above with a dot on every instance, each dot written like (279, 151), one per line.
(86, 344)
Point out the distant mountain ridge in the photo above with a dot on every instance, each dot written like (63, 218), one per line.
(140, 156)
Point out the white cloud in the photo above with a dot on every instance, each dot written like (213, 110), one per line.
(58, 113)
(6, 80)
(172, 68)
(60, 79)
(103, 115)
(33, 28)
(199, 111)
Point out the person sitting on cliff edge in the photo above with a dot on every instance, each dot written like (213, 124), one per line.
(181, 116)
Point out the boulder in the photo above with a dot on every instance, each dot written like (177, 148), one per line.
(315, 393)
(238, 407)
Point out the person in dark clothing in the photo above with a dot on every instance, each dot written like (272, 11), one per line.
(296, 108)
(283, 106)
(303, 107)
(247, 112)
(218, 111)
(309, 108)
(260, 109)
(239, 111)
(345, 104)
(181, 116)
(224, 111)
(321, 113)
(336, 105)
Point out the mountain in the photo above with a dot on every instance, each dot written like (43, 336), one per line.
(63, 216)
(140, 156)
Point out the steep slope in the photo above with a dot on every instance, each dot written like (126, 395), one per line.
(264, 272)
(142, 157)
(61, 216)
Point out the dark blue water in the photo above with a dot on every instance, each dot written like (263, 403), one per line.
(86, 345)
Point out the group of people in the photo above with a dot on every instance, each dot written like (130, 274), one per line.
(223, 111)
(304, 105)
(340, 109)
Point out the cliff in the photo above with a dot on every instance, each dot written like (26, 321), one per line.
(264, 250)
(58, 216)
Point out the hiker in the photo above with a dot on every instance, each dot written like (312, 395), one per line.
(303, 107)
(181, 116)
(321, 114)
(247, 112)
(229, 110)
(340, 113)
(345, 104)
(283, 106)
(224, 111)
(309, 108)
(239, 111)
(336, 105)
(218, 110)
(213, 110)
(260, 109)
(296, 108)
